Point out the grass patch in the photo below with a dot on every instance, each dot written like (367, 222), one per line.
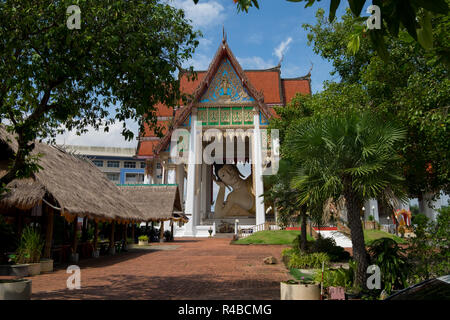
(297, 274)
(271, 237)
(371, 235)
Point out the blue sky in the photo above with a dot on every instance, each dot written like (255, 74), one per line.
(258, 39)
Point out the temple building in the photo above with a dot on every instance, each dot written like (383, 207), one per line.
(237, 104)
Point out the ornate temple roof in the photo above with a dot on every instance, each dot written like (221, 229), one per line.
(265, 88)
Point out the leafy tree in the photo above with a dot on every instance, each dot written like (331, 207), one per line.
(413, 15)
(412, 86)
(125, 54)
(429, 250)
(351, 155)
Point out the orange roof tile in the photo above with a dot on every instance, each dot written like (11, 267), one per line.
(267, 82)
(293, 86)
(145, 148)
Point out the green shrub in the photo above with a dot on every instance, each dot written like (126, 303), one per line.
(308, 260)
(335, 277)
(429, 250)
(168, 235)
(386, 254)
(30, 247)
(143, 238)
(328, 246)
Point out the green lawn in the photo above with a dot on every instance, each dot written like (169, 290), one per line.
(371, 235)
(297, 274)
(271, 237)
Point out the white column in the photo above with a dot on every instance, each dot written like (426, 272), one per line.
(203, 192)
(208, 189)
(171, 175)
(259, 187)
(190, 207)
(371, 209)
(180, 180)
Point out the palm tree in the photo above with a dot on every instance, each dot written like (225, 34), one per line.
(354, 155)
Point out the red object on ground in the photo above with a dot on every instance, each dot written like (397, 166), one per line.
(325, 229)
(293, 228)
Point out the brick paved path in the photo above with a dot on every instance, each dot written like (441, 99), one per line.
(194, 269)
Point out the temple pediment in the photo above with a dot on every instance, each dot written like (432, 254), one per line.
(226, 87)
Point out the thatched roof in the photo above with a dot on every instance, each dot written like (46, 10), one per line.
(156, 202)
(75, 183)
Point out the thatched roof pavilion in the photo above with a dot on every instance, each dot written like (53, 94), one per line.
(156, 202)
(69, 182)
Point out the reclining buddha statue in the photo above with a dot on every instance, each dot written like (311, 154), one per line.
(241, 200)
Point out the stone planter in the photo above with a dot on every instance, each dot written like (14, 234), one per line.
(34, 269)
(46, 265)
(297, 291)
(17, 270)
(15, 289)
(143, 243)
(74, 257)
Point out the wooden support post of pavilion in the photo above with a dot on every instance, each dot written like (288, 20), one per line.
(95, 234)
(75, 237)
(133, 227)
(124, 232)
(49, 233)
(161, 231)
(111, 237)
(84, 230)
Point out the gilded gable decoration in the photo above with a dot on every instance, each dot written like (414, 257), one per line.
(226, 87)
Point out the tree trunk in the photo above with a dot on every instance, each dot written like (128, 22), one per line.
(354, 205)
(303, 236)
(49, 233)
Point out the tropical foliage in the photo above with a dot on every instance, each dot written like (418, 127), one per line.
(391, 259)
(351, 155)
(429, 250)
(123, 58)
(30, 246)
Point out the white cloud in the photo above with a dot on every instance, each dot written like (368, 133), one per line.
(113, 138)
(282, 48)
(255, 63)
(202, 14)
(200, 62)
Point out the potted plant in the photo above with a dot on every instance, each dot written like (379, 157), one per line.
(168, 236)
(30, 250)
(15, 289)
(46, 265)
(143, 240)
(299, 290)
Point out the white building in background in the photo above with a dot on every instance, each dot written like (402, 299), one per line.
(119, 164)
